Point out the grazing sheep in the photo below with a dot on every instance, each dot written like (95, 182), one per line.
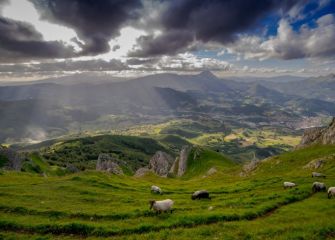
(289, 185)
(316, 174)
(331, 192)
(161, 206)
(318, 187)
(200, 194)
(156, 189)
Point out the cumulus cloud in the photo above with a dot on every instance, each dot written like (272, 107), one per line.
(317, 42)
(68, 65)
(204, 21)
(180, 62)
(95, 22)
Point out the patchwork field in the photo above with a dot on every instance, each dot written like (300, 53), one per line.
(95, 205)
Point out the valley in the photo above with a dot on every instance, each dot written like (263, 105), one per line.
(243, 120)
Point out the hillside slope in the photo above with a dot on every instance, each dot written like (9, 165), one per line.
(83, 153)
(99, 205)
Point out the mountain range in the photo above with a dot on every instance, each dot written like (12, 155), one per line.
(49, 109)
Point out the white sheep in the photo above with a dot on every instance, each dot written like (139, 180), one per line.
(289, 185)
(331, 192)
(161, 206)
(318, 187)
(316, 174)
(156, 189)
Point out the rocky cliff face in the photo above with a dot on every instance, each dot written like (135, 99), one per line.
(108, 164)
(182, 161)
(161, 163)
(318, 135)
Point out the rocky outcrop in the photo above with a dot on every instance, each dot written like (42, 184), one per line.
(161, 163)
(107, 163)
(210, 172)
(249, 167)
(142, 171)
(319, 135)
(10, 159)
(315, 164)
(182, 161)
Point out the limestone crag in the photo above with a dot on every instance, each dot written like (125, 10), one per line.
(161, 163)
(319, 135)
(107, 163)
(182, 161)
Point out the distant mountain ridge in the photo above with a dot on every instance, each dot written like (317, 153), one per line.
(56, 109)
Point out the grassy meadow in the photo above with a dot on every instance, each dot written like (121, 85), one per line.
(96, 205)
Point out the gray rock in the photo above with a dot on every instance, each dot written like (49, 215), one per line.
(211, 171)
(161, 163)
(315, 164)
(107, 163)
(184, 153)
(319, 135)
(249, 167)
(142, 171)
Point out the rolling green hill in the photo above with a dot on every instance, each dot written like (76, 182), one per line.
(95, 205)
(83, 152)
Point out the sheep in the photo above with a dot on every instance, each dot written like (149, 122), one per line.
(156, 189)
(331, 192)
(161, 206)
(200, 194)
(316, 174)
(289, 185)
(318, 187)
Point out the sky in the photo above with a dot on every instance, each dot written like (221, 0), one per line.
(43, 38)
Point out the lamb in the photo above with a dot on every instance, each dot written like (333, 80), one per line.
(161, 206)
(289, 185)
(331, 192)
(156, 189)
(318, 187)
(200, 194)
(316, 174)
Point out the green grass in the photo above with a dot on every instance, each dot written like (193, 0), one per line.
(83, 152)
(95, 205)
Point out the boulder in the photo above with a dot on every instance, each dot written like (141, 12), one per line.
(142, 171)
(211, 171)
(107, 163)
(325, 135)
(249, 167)
(315, 164)
(161, 163)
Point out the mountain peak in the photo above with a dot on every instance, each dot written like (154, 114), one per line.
(206, 74)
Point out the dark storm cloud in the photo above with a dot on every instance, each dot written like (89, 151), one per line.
(170, 43)
(95, 21)
(204, 21)
(20, 41)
